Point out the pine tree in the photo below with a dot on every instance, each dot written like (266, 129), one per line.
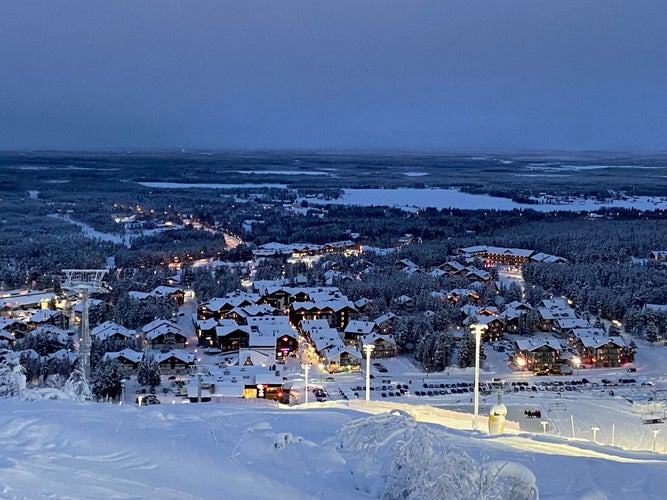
(106, 380)
(77, 386)
(149, 371)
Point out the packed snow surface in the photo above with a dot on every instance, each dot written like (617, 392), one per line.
(65, 449)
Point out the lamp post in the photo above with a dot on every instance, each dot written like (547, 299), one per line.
(545, 424)
(368, 349)
(306, 367)
(577, 363)
(655, 437)
(321, 367)
(521, 363)
(122, 391)
(595, 430)
(477, 330)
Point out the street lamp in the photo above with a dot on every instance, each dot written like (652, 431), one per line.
(577, 362)
(306, 367)
(477, 329)
(595, 430)
(655, 437)
(521, 363)
(368, 349)
(321, 367)
(122, 391)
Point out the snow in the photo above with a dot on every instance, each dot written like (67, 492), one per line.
(284, 172)
(408, 447)
(410, 199)
(64, 449)
(185, 185)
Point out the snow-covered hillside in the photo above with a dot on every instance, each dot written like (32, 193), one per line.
(65, 449)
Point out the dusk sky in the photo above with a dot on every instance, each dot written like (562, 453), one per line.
(406, 75)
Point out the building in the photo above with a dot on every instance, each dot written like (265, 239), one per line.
(541, 356)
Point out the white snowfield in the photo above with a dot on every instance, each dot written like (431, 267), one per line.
(69, 450)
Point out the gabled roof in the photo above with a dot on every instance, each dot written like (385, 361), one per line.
(374, 336)
(160, 322)
(326, 339)
(384, 318)
(91, 303)
(179, 354)
(128, 354)
(165, 290)
(43, 315)
(569, 323)
(357, 326)
(108, 329)
(530, 344)
(335, 352)
(599, 340)
(309, 325)
(207, 324)
(223, 331)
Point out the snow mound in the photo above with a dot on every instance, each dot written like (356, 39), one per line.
(398, 457)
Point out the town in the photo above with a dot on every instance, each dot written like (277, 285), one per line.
(173, 302)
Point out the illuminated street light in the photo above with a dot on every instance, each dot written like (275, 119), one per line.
(477, 329)
(595, 430)
(306, 367)
(368, 349)
(521, 363)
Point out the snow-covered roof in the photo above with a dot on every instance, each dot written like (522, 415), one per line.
(357, 326)
(165, 290)
(207, 324)
(129, 354)
(107, 329)
(530, 344)
(91, 304)
(374, 337)
(43, 315)
(568, 323)
(163, 329)
(179, 354)
(224, 330)
(160, 322)
(336, 351)
(655, 307)
(326, 338)
(384, 318)
(600, 339)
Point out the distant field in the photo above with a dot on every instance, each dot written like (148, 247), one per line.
(507, 175)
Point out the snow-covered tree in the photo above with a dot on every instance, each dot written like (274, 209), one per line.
(77, 387)
(106, 379)
(149, 371)
(416, 461)
(12, 376)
